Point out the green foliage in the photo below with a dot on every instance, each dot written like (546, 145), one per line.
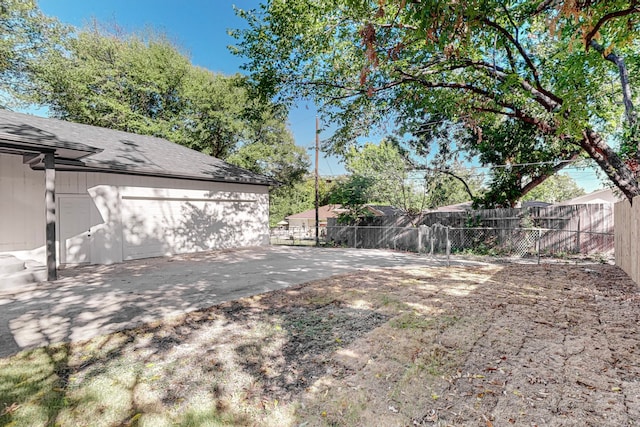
(353, 193)
(472, 63)
(143, 85)
(25, 35)
(557, 188)
(388, 174)
(447, 186)
(298, 197)
(271, 151)
(526, 155)
(395, 181)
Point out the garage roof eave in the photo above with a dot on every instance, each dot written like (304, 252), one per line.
(76, 165)
(66, 149)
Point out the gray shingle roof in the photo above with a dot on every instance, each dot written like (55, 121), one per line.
(125, 152)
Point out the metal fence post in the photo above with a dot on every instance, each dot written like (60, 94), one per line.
(448, 246)
(355, 236)
(538, 243)
(578, 238)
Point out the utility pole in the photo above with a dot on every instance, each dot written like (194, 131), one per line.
(317, 195)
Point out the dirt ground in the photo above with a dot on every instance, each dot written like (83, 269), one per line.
(508, 345)
(501, 345)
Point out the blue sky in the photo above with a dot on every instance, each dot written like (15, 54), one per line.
(200, 27)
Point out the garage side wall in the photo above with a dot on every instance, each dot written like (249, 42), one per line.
(22, 216)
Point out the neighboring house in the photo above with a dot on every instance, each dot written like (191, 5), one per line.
(607, 195)
(307, 220)
(379, 210)
(77, 194)
(458, 207)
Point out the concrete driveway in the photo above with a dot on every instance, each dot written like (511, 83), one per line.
(94, 300)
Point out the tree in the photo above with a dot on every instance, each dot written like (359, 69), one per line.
(556, 189)
(270, 150)
(141, 85)
(353, 193)
(524, 159)
(388, 174)
(455, 184)
(298, 197)
(25, 34)
(567, 69)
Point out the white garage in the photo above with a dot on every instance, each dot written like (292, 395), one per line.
(106, 196)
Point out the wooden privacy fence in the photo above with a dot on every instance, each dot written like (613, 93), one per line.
(627, 245)
(498, 241)
(581, 229)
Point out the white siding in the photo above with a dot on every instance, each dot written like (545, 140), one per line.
(22, 215)
(138, 215)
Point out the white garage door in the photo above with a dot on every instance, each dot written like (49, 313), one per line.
(163, 226)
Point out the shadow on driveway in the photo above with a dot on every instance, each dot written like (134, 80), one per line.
(94, 300)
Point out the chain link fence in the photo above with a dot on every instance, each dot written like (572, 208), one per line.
(297, 236)
(439, 239)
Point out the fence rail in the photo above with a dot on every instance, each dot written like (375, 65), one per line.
(440, 239)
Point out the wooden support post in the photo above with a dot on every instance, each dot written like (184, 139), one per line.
(317, 201)
(50, 215)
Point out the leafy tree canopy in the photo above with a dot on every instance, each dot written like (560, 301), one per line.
(353, 193)
(388, 173)
(557, 188)
(271, 151)
(142, 83)
(25, 34)
(566, 70)
(299, 197)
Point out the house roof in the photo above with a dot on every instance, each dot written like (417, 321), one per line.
(600, 196)
(332, 211)
(380, 210)
(458, 207)
(324, 212)
(85, 147)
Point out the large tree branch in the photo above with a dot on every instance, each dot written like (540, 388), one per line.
(624, 81)
(550, 103)
(516, 113)
(539, 179)
(453, 175)
(488, 96)
(619, 173)
(467, 189)
(608, 17)
(525, 57)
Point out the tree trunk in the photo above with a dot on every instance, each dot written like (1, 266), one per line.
(617, 170)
